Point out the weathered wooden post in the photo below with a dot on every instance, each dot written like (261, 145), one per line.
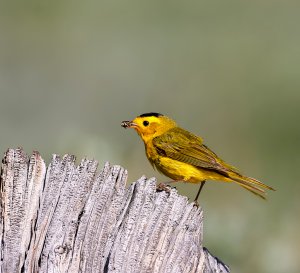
(68, 218)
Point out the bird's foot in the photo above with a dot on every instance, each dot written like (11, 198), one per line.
(163, 187)
(196, 204)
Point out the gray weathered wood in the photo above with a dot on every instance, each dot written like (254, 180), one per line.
(68, 218)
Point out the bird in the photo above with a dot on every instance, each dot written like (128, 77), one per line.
(182, 155)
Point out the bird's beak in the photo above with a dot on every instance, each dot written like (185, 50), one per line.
(128, 124)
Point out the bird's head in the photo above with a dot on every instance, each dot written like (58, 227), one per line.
(150, 125)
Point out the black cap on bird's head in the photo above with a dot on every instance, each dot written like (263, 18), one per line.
(151, 114)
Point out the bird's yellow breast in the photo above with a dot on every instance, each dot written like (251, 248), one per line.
(178, 170)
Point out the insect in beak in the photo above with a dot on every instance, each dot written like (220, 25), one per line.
(128, 124)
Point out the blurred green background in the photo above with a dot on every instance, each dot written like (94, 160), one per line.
(71, 71)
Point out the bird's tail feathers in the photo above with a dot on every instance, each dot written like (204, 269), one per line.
(251, 184)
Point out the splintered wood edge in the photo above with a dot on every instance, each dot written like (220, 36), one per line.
(72, 218)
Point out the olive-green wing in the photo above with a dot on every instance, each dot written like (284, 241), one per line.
(183, 146)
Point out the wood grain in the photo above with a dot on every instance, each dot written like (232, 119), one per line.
(69, 218)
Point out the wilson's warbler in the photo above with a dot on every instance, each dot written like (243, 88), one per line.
(182, 156)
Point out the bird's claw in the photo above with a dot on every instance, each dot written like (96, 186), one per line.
(196, 204)
(163, 187)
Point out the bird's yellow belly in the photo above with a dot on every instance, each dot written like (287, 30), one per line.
(182, 171)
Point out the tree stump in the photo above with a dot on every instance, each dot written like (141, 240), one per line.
(68, 218)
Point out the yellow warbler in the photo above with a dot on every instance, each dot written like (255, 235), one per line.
(182, 156)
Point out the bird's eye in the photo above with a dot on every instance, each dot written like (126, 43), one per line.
(145, 122)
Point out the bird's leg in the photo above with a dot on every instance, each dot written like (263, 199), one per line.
(164, 187)
(197, 196)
